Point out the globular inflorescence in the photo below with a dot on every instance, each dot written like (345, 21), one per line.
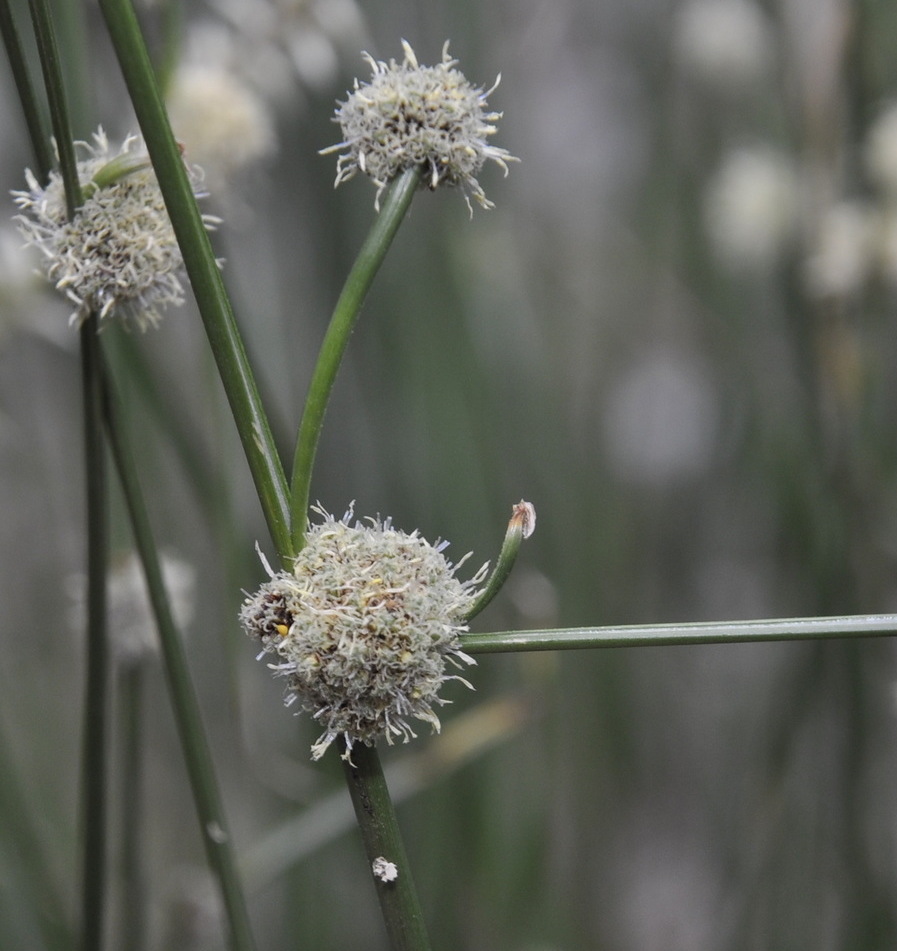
(117, 255)
(413, 116)
(363, 627)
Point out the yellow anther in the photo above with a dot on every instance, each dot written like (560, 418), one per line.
(282, 629)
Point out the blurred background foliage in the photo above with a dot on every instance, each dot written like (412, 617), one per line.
(674, 335)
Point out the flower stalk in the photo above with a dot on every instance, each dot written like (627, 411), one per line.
(521, 526)
(95, 757)
(348, 306)
(670, 635)
(94, 779)
(382, 839)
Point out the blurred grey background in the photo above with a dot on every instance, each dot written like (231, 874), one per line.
(674, 335)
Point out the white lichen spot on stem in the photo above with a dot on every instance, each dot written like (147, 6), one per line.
(384, 870)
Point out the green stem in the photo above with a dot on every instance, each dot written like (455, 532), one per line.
(40, 145)
(133, 879)
(373, 251)
(667, 635)
(203, 271)
(379, 827)
(521, 525)
(48, 52)
(200, 766)
(96, 703)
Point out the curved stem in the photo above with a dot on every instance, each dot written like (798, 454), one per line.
(373, 251)
(666, 635)
(521, 525)
(203, 271)
(379, 827)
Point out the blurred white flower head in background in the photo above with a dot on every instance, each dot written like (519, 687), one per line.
(880, 152)
(284, 41)
(845, 250)
(132, 626)
(223, 124)
(727, 43)
(751, 207)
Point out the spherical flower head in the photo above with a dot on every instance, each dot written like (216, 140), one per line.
(363, 627)
(411, 116)
(118, 255)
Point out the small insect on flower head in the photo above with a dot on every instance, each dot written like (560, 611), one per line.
(411, 116)
(363, 627)
(117, 256)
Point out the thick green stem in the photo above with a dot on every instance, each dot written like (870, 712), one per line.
(667, 635)
(40, 144)
(203, 271)
(200, 767)
(379, 827)
(373, 251)
(96, 703)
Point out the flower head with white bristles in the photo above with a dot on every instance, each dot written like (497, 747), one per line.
(117, 256)
(363, 627)
(413, 116)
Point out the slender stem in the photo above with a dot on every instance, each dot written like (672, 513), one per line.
(40, 144)
(521, 525)
(373, 251)
(666, 635)
(48, 52)
(379, 827)
(200, 766)
(133, 879)
(96, 703)
(203, 271)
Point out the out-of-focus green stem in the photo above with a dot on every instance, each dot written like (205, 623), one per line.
(666, 635)
(134, 892)
(40, 144)
(370, 257)
(95, 761)
(200, 766)
(379, 827)
(203, 271)
(96, 700)
(59, 116)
